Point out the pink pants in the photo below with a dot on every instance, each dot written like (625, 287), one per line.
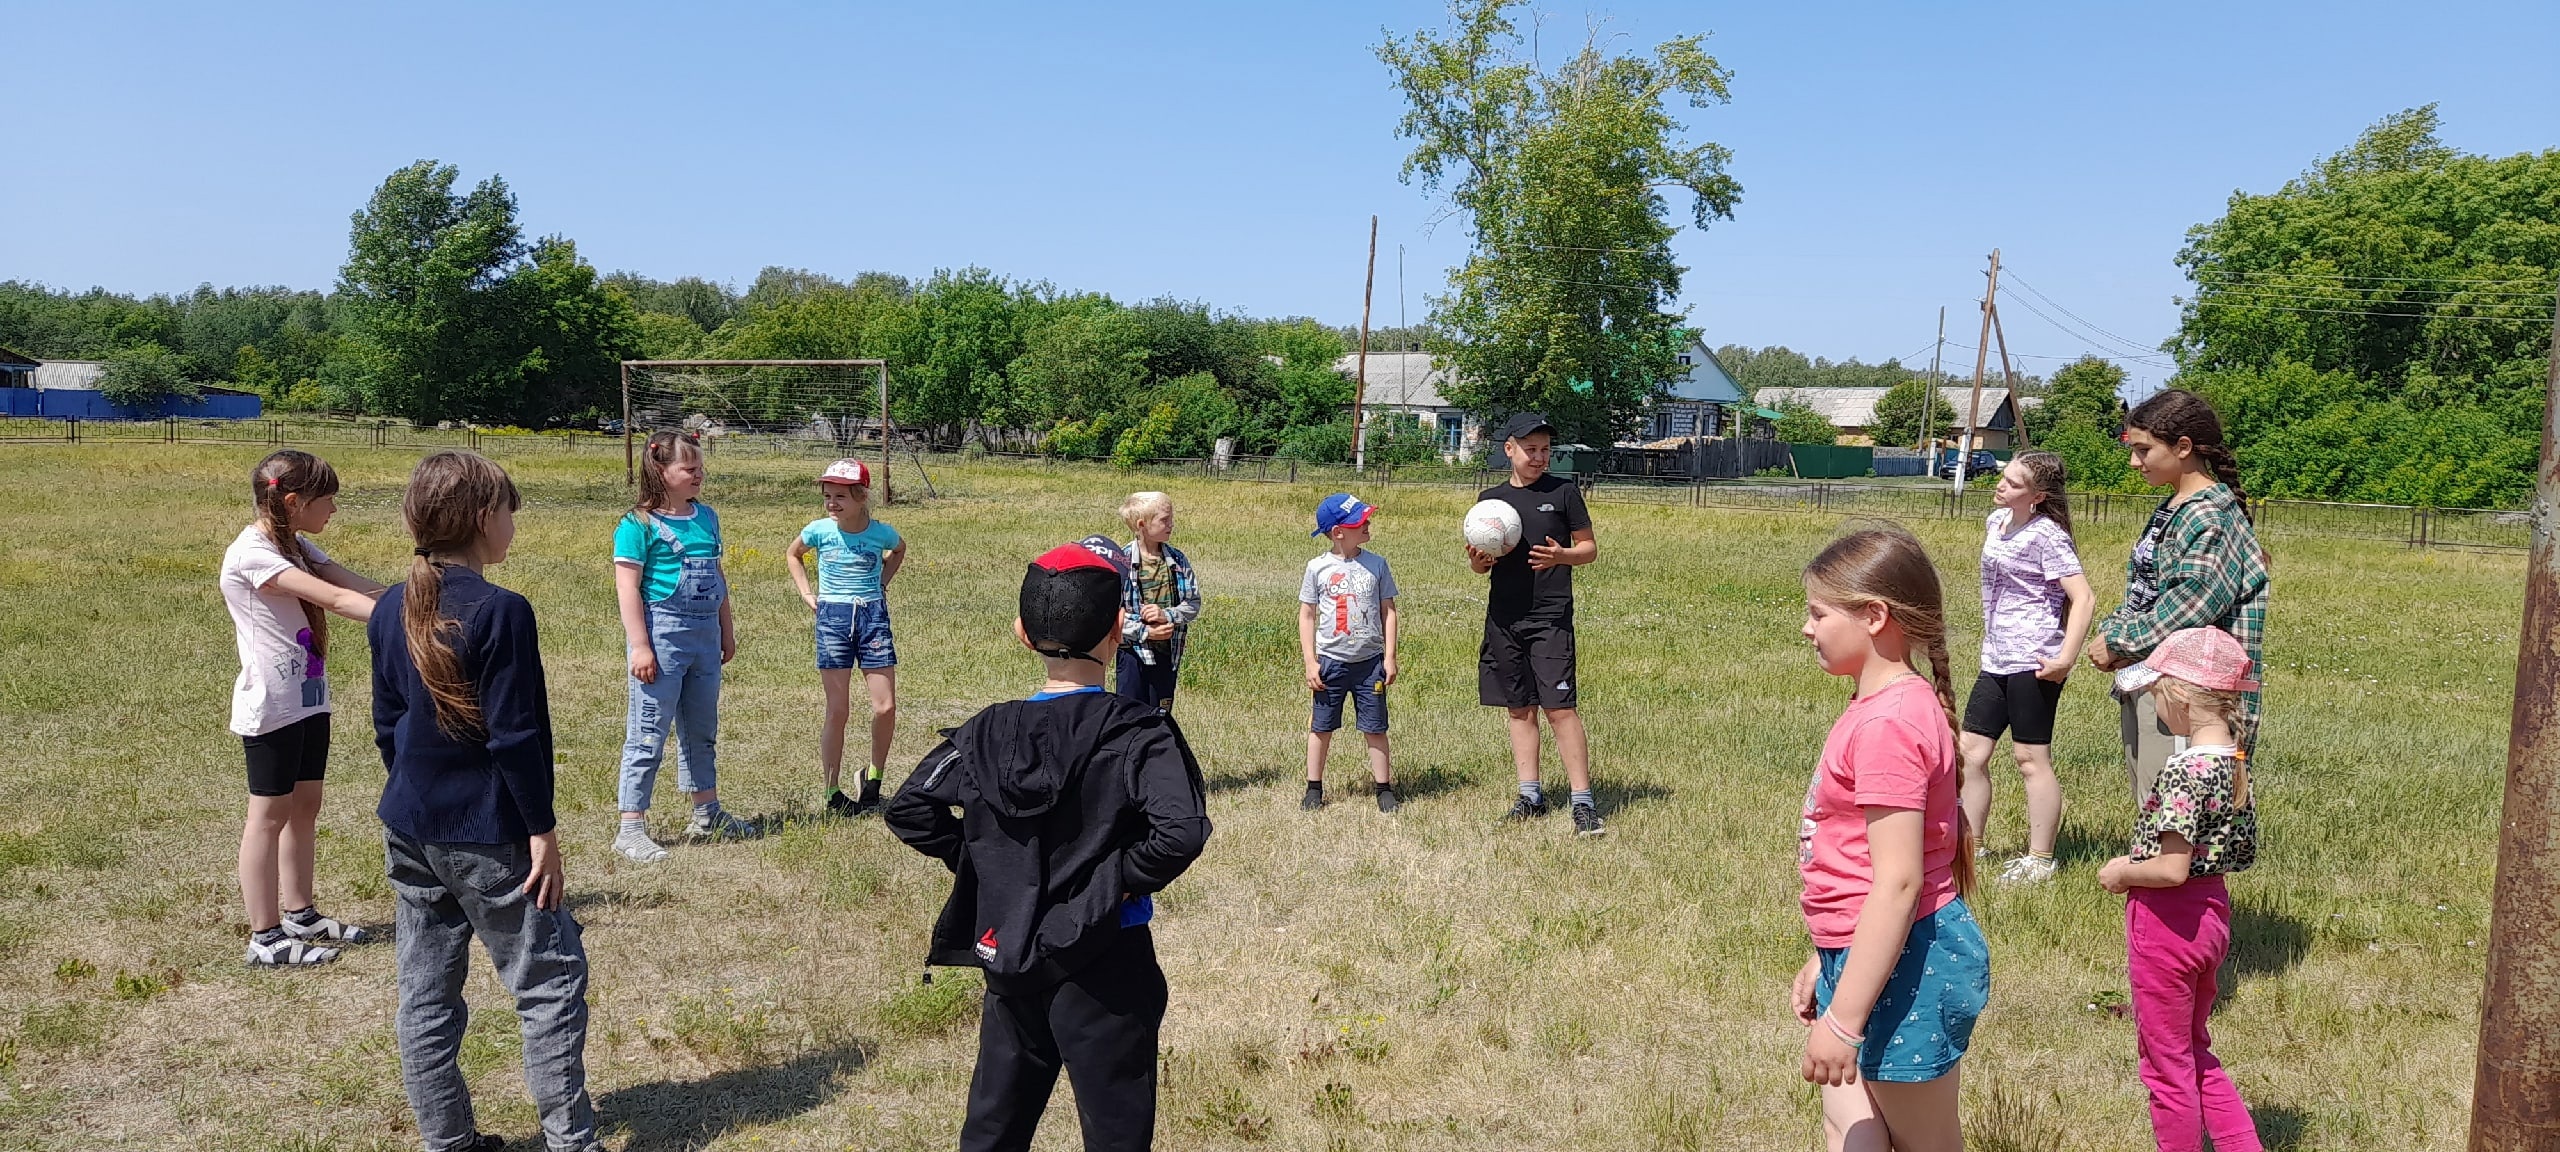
(2175, 939)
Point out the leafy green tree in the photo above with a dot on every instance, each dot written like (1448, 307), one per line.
(144, 375)
(1327, 443)
(692, 299)
(2411, 286)
(251, 370)
(1562, 306)
(1899, 413)
(948, 352)
(570, 334)
(1800, 423)
(1778, 366)
(1081, 356)
(422, 290)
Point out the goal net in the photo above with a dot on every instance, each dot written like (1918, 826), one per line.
(822, 407)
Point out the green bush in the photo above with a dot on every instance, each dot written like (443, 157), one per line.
(1328, 443)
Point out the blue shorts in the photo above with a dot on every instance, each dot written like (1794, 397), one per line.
(855, 635)
(1363, 682)
(1923, 1022)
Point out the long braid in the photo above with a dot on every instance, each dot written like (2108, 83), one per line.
(1942, 672)
(2226, 468)
(450, 496)
(290, 472)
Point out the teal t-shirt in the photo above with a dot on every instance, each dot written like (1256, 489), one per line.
(637, 541)
(848, 562)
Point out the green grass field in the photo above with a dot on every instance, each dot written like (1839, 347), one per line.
(1342, 980)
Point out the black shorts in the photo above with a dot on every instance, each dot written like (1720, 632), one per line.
(2020, 703)
(288, 756)
(1527, 663)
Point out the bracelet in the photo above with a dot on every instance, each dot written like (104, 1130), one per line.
(1854, 1042)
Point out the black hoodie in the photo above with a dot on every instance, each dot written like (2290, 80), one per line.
(1065, 805)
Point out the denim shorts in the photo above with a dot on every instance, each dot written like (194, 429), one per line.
(1363, 682)
(855, 635)
(1923, 1022)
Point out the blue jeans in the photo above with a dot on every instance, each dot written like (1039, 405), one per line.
(855, 634)
(1363, 681)
(685, 698)
(449, 893)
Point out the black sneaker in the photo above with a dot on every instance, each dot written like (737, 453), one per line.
(869, 802)
(1586, 821)
(1522, 811)
(1387, 801)
(839, 804)
(1313, 800)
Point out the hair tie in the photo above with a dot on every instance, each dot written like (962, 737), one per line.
(423, 553)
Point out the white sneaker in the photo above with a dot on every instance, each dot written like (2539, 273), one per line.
(288, 952)
(637, 847)
(721, 824)
(2028, 869)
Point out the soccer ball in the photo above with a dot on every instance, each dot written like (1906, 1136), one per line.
(1492, 527)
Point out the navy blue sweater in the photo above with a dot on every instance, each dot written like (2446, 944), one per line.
(495, 790)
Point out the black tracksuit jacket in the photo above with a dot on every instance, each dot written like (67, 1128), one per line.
(1065, 805)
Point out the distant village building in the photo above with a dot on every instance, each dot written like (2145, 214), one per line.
(1697, 401)
(63, 389)
(1853, 412)
(1408, 384)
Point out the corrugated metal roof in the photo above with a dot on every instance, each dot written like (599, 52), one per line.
(1400, 379)
(72, 374)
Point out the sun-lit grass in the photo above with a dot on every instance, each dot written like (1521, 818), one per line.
(1341, 980)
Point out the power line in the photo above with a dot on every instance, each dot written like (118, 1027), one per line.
(2540, 283)
(2531, 306)
(2084, 321)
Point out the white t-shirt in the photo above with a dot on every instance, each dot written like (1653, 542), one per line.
(1347, 595)
(281, 681)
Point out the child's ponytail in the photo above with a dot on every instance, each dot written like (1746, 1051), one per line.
(291, 472)
(450, 496)
(1887, 565)
(661, 450)
(2053, 500)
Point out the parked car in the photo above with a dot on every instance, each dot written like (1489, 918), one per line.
(1983, 463)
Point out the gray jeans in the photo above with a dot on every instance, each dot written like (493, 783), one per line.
(2148, 743)
(448, 894)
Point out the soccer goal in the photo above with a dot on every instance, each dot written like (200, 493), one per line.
(821, 407)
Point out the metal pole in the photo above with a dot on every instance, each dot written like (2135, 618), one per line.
(2515, 1087)
(886, 496)
(1981, 363)
(1360, 385)
(1929, 395)
(630, 462)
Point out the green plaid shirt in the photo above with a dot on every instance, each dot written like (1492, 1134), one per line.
(2212, 572)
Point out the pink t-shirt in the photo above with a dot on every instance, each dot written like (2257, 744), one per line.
(1894, 750)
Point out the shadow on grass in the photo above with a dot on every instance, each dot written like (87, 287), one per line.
(1227, 780)
(685, 1114)
(2079, 846)
(2281, 1128)
(1618, 796)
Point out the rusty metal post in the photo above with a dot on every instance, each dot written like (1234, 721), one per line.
(2515, 1087)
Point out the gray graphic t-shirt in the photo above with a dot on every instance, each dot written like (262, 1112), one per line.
(1347, 594)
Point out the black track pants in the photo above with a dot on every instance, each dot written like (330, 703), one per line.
(1101, 1023)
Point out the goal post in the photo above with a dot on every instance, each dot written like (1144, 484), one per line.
(814, 404)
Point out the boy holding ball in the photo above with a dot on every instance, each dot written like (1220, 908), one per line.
(1527, 663)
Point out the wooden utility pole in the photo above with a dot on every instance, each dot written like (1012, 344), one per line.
(1981, 364)
(2017, 403)
(630, 474)
(2516, 1077)
(1360, 386)
(1929, 398)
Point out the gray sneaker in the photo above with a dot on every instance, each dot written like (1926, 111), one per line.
(719, 824)
(636, 846)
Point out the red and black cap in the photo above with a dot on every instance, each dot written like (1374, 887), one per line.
(1071, 598)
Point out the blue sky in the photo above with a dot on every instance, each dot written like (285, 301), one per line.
(1221, 153)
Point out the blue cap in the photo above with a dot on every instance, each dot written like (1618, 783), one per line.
(1341, 510)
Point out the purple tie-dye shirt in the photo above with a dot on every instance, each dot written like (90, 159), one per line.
(2022, 600)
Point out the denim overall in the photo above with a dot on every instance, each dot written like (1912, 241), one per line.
(684, 629)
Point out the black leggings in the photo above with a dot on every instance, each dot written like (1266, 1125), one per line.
(2020, 703)
(1101, 1023)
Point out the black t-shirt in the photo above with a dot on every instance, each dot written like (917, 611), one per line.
(1550, 508)
(2142, 589)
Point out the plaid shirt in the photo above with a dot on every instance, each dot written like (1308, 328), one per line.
(2212, 572)
(1186, 590)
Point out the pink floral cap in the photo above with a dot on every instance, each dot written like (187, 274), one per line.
(2205, 657)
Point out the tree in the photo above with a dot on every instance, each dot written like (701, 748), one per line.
(144, 375)
(1898, 415)
(1562, 305)
(2414, 284)
(1081, 356)
(1801, 423)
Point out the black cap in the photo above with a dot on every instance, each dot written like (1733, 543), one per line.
(1524, 424)
(1071, 597)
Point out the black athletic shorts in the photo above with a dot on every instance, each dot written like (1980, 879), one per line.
(1527, 663)
(2019, 703)
(288, 756)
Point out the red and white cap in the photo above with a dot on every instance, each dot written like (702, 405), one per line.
(849, 470)
(2205, 657)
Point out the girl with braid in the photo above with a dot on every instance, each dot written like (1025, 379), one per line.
(280, 590)
(470, 836)
(1900, 971)
(2198, 564)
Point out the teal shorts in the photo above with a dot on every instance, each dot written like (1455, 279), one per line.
(1923, 1022)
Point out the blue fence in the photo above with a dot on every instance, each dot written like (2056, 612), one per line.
(88, 404)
